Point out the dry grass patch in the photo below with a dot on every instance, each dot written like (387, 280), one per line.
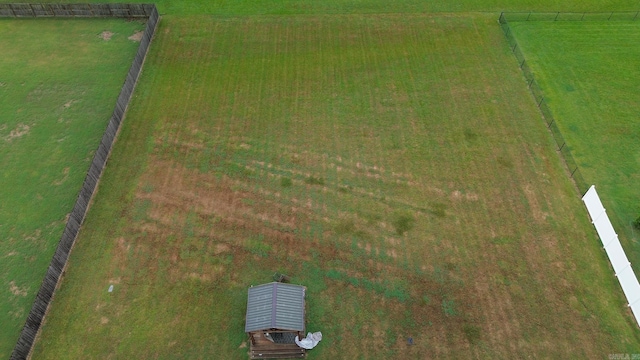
(399, 222)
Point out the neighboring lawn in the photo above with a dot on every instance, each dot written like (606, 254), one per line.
(590, 75)
(395, 165)
(58, 84)
(317, 7)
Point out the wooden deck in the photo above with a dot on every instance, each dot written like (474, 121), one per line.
(265, 349)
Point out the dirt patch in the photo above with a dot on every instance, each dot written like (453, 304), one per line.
(65, 176)
(16, 290)
(457, 195)
(199, 276)
(471, 196)
(17, 314)
(393, 241)
(20, 131)
(368, 248)
(137, 36)
(104, 320)
(538, 215)
(35, 237)
(121, 252)
(106, 35)
(221, 248)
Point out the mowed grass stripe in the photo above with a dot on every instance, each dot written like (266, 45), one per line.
(425, 199)
(589, 74)
(336, 7)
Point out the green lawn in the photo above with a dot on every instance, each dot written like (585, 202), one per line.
(58, 84)
(395, 165)
(590, 75)
(315, 7)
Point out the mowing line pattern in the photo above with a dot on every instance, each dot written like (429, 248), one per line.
(385, 162)
(589, 74)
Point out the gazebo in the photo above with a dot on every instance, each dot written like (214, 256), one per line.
(275, 316)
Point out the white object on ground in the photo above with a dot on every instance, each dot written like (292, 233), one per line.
(310, 341)
(110, 288)
(615, 252)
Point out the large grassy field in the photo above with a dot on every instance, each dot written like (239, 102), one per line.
(395, 165)
(590, 75)
(315, 7)
(58, 83)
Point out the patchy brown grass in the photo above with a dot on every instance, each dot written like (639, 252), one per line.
(494, 262)
(16, 290)
(137, 36)
(20, 131)
(106, 35)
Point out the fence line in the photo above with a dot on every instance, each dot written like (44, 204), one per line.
(572, 16)
(619, 261)
(617, 257)
(51, 280)
(77, 10)
(562, 146)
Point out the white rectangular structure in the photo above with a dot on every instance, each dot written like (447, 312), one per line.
(631, 288)
(612, 246)
(605, 229)
(593, 203)
(617, 256)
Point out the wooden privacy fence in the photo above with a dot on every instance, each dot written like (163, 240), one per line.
(77, 10)
(56, 267)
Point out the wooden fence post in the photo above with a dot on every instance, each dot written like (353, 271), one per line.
(55, 271)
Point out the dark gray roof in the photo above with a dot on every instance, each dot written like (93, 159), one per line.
(275, 306)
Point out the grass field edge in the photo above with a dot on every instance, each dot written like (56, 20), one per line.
(571, 165)
(54, 273)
